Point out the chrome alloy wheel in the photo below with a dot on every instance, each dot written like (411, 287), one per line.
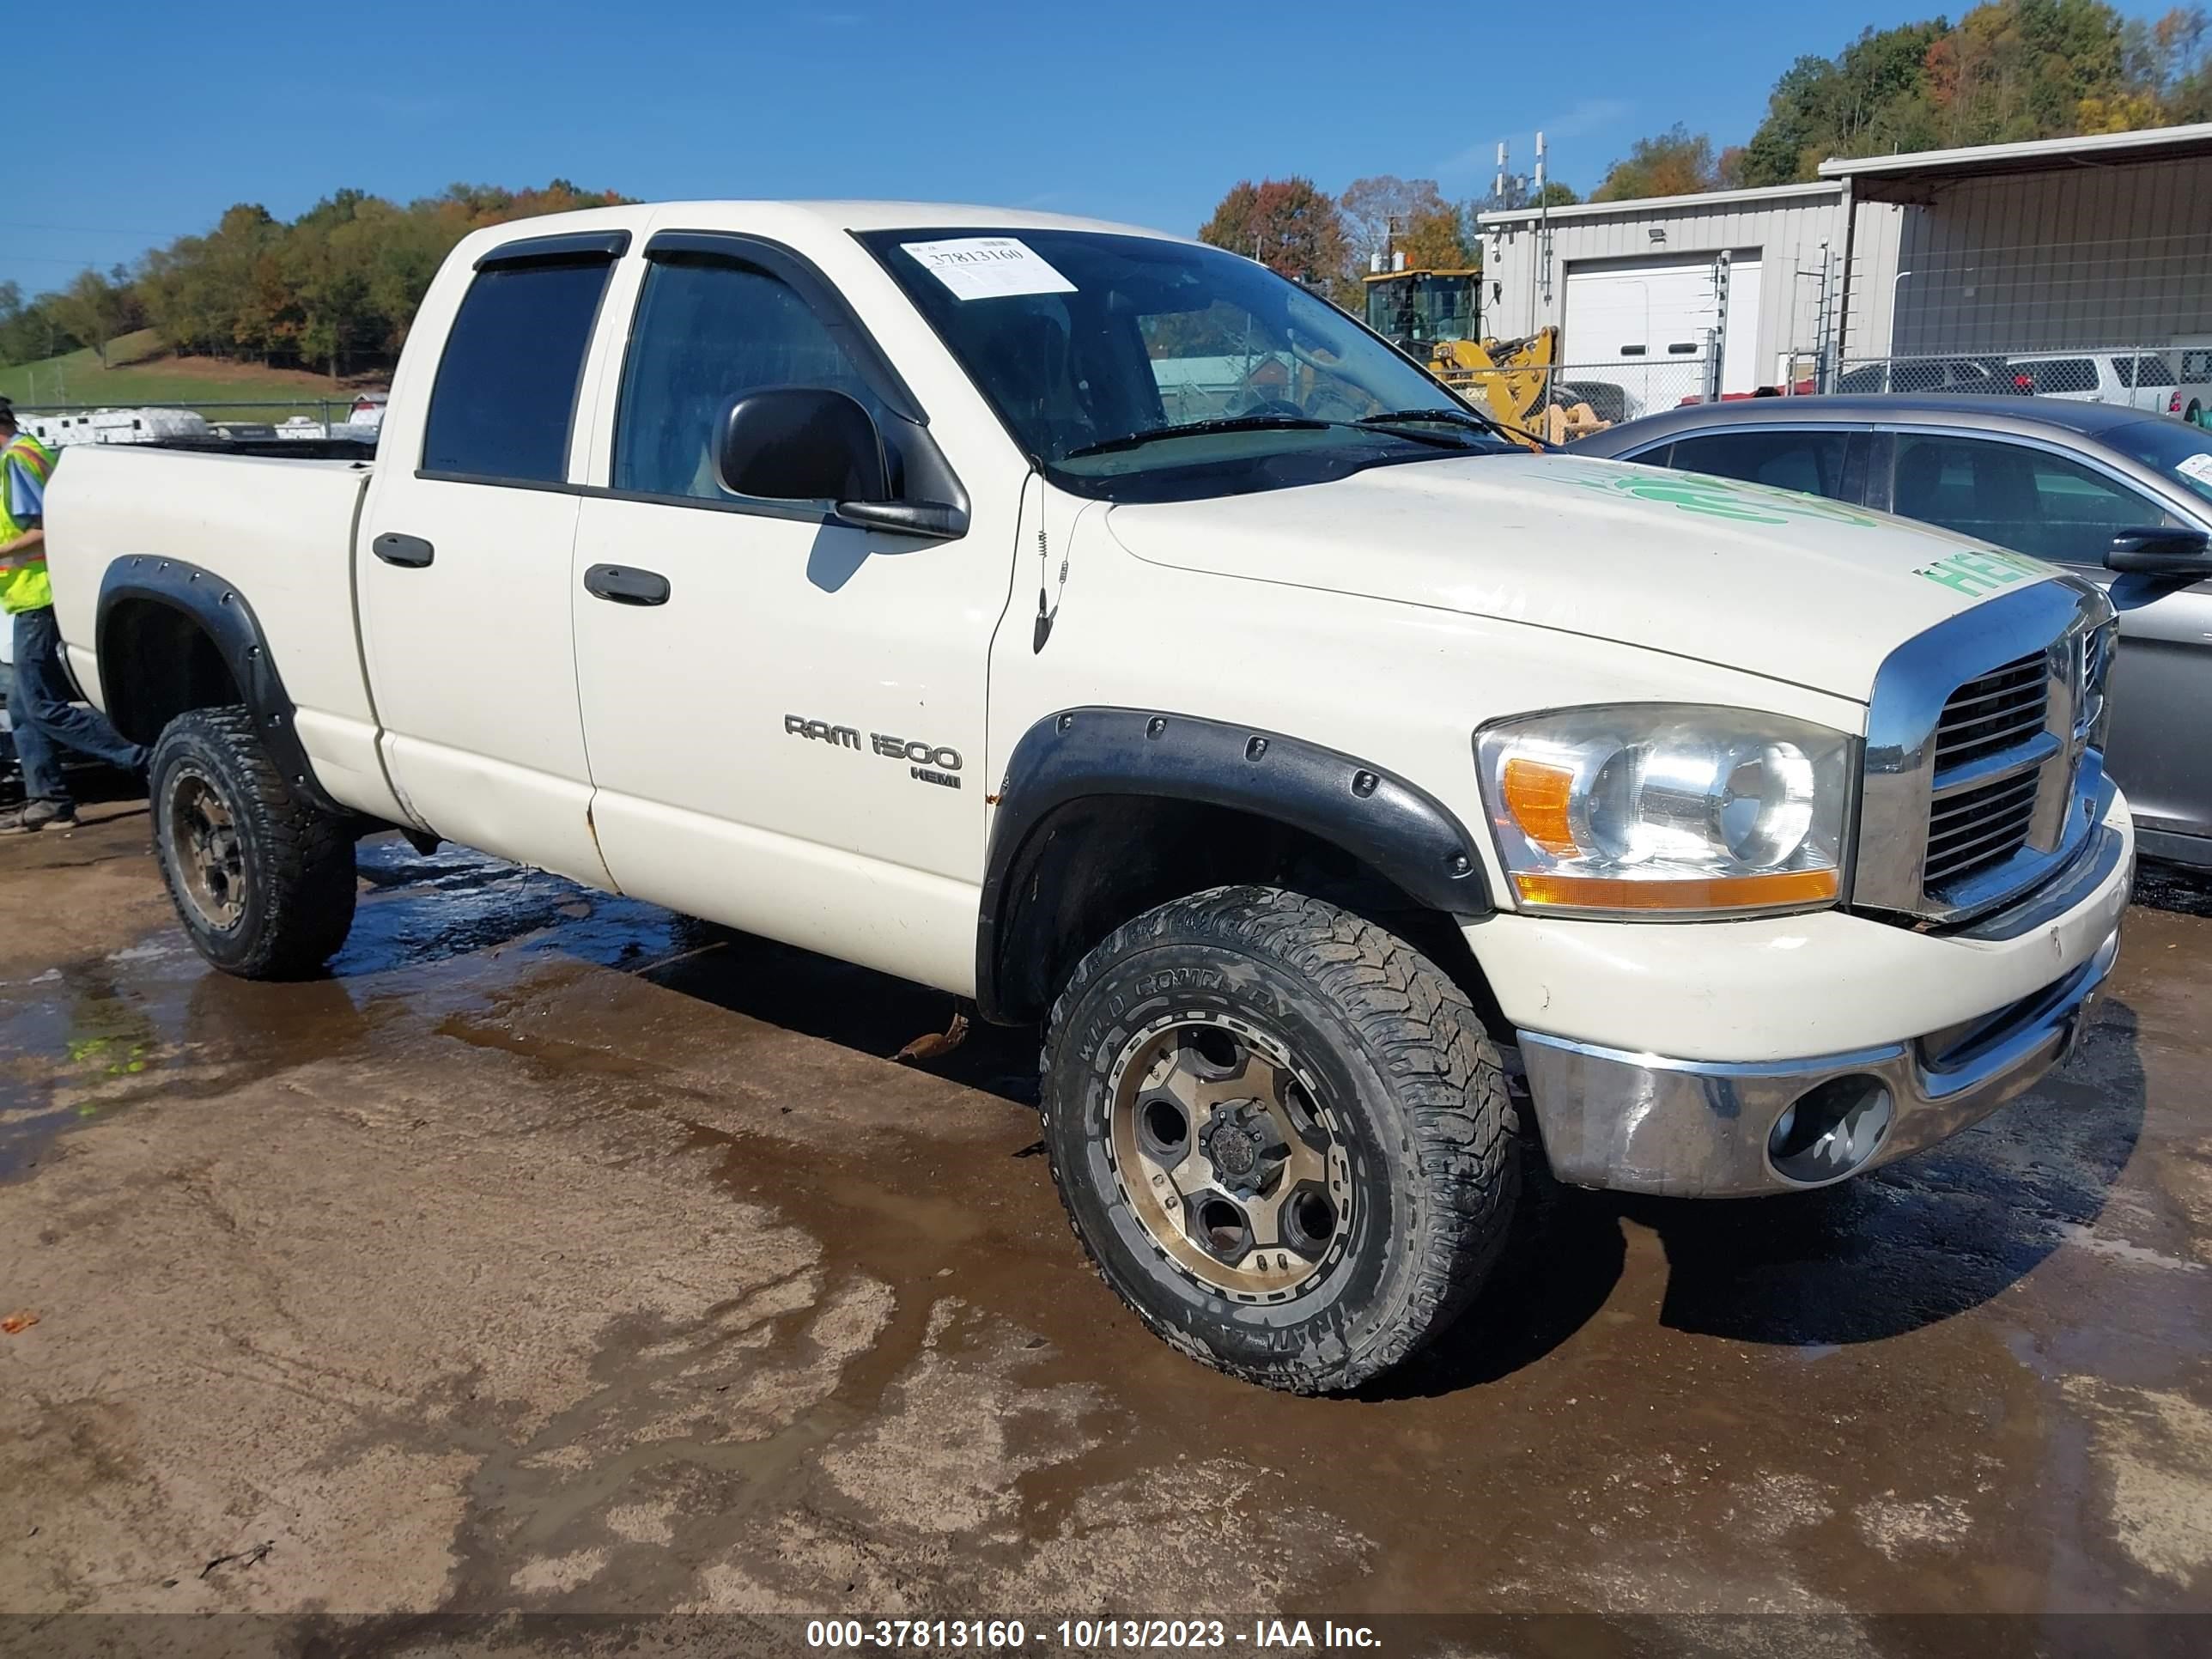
(204, 850)
(1227, 1157)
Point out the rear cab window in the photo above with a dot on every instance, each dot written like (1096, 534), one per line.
(504, 401)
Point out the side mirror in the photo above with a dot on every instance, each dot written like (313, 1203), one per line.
(2157, 552)
(802, 443)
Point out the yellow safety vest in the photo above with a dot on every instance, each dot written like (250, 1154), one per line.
(23, 584)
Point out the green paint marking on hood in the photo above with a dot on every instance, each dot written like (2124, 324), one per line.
(1975, 571)
(1718, 498)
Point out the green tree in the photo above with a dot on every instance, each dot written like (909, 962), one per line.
(328, 270)
(92, 308)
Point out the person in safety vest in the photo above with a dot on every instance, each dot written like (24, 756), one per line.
(42, 706)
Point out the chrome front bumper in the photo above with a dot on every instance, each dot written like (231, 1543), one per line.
(1636, 1122)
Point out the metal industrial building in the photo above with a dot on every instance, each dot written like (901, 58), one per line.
(2062, 243)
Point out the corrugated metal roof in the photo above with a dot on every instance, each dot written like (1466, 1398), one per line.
(1909, 177)
(1710, 201)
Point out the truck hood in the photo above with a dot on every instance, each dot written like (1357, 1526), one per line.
(1790, 586)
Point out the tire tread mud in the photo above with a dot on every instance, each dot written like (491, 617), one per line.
(1422, 1033)
(301, 858)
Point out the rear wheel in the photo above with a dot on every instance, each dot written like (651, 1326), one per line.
(1281, 1134)
(262, 880)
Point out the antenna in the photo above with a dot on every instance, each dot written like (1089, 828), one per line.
(1500, 189)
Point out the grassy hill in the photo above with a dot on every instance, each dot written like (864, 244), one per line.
(142, 372)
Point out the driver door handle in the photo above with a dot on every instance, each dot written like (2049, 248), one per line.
(626, 586)
(411, 552)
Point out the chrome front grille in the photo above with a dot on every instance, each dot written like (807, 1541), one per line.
(1986, 723)
(1983, 764)
(1999, 711)
(2096, 666)
(1978, 828)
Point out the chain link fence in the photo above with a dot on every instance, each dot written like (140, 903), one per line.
(2159, 380)
(1572, 398)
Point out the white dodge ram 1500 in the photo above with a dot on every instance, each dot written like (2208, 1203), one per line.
(1093, 624)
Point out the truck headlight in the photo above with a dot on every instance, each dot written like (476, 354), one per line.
(1663, 809)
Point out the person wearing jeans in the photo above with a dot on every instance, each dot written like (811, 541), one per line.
(41, 705)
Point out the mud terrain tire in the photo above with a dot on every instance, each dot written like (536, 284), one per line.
(263, 881)
(1381, 1055)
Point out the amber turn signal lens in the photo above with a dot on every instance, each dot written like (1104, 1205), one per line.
(1714, 893)
(1537, 795)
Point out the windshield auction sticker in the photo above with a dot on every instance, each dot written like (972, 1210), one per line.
(989, 267)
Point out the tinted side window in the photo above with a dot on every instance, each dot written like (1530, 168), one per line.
(506, 390)
(2019, 498)
(1810, 461)
(2063, 374)
(708, 331)
(2150, 370)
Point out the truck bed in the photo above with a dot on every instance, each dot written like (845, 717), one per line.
(277, 449)
(279, 528)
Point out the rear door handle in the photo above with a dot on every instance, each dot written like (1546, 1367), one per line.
(412, 551)
(626, 586)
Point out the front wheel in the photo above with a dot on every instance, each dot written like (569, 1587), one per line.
(262, 880)
(1281, 1134)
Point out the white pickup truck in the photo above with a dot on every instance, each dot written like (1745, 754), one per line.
(1091, 624)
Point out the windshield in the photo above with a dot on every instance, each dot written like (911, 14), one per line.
(2181, 452)
(1131, 367)
(1421, 309)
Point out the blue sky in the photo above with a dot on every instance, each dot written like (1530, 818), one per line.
(150, 125)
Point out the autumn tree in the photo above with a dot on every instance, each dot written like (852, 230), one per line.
(2007, 70)
(1676, 162)
(1289, 226)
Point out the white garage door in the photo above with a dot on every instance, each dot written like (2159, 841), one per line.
(1648, 326)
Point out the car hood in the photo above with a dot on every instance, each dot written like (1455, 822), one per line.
(1790, 586)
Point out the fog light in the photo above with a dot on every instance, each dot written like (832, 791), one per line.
(1830, 1131)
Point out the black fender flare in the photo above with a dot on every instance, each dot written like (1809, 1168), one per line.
(1392, 825)
(224, 615)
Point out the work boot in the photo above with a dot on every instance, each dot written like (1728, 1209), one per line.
(33, 815)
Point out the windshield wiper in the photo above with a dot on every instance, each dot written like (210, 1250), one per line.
(1456, 416)
(1194, 428)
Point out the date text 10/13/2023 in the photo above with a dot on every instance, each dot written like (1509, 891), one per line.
(1089, 1635)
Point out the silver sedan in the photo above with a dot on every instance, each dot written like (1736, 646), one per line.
(2116, 495)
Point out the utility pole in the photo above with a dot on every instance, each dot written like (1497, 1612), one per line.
(1543, 224)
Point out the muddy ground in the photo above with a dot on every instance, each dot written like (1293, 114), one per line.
(560, 1253)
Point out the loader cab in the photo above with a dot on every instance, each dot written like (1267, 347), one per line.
(1416, 309)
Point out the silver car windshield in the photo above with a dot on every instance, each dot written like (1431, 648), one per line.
(2182, 453)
